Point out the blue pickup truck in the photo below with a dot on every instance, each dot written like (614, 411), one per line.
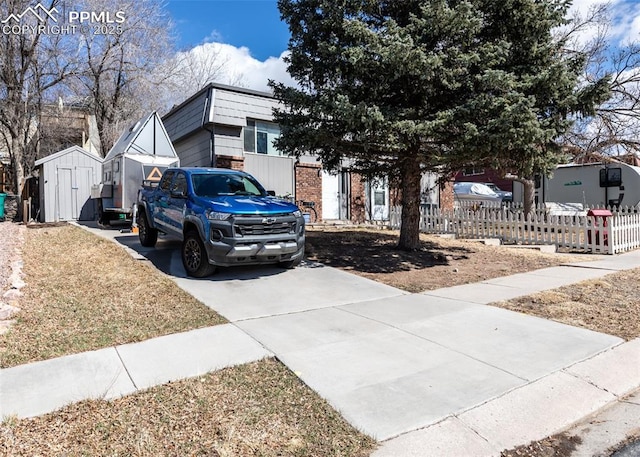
(223, 217)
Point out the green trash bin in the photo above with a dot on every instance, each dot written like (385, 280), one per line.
(2, 197)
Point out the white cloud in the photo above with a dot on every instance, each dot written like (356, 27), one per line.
(238, 67)
(253, 73)
(621, 22)
(626, 21)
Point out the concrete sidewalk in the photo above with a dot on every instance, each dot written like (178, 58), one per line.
(437, 373)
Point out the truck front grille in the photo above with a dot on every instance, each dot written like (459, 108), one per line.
(276, 228)
(264, 224)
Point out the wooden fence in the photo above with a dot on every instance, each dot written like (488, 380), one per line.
(565, 228)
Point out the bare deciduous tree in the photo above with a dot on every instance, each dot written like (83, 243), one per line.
(615, 128)
(31, 64)
(117, 81)
(190, 70)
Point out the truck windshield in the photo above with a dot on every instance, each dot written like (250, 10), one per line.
(207, 185)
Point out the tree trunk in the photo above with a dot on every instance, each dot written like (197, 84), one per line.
(529, 195)
(18, 173)
(410, 186)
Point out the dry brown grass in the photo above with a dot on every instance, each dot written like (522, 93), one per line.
(85, 293)
(609, 305)
(259, 409)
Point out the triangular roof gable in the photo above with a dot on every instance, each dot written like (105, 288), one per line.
(147, 136)
(65, 152)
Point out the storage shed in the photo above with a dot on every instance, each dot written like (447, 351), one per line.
(66, 178)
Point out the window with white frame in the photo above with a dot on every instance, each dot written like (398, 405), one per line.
(472, 171)
(259, 137)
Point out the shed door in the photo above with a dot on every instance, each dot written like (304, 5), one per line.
(65, 198)
(85, 207)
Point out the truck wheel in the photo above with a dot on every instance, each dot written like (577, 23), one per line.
(194, 256)
(148, 235)
(289, 264)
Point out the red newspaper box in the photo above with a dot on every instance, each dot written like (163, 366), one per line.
(599, 213)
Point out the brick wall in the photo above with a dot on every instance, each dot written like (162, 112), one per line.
(232, 162)
(358, 199)
(489, 175)
(309, 185)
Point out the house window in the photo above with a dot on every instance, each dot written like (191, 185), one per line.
(472, 171)
(259, 137)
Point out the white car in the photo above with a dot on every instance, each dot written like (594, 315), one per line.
(504, 194)
(475, 192)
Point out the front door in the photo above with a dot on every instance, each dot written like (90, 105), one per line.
(330, 196)
(336, 196)
(379, 201)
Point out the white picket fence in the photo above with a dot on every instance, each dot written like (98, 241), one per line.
(575, 230)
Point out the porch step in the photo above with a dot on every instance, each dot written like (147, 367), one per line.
(548, 248)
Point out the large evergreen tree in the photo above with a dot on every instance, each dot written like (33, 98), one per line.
(400, 86)
(520, 107)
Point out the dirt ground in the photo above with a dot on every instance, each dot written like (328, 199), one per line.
(439, 263)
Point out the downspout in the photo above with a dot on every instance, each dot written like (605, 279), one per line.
(209, 126)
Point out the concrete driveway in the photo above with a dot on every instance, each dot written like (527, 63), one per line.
(389, 361)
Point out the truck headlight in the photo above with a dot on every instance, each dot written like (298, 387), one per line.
(297, 213)
(217, 216)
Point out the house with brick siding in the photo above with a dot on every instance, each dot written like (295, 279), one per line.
(233, 127)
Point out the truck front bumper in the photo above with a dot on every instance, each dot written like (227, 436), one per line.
(228, 252)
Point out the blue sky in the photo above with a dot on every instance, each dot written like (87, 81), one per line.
(254, 24)
(250, 37)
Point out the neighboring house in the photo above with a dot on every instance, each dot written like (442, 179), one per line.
(64, 126)
(484, 175)
(232, 127)
(60, 127)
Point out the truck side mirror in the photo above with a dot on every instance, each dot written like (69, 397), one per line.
(271, 193)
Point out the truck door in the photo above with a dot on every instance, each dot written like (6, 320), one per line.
(160, 205)
(177, 204)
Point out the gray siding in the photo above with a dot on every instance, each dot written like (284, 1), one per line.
(229, 141)
(188, 118)
(65, 185)
(194, 150)
(274, 172)
(233, 108)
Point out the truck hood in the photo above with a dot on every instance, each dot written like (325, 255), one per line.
(243, 204)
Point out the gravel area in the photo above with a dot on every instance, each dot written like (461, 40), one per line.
(11, 241)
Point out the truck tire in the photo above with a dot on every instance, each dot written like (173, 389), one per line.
(148, 235)
(194, 256)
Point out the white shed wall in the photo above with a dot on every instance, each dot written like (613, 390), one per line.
(65, 185)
